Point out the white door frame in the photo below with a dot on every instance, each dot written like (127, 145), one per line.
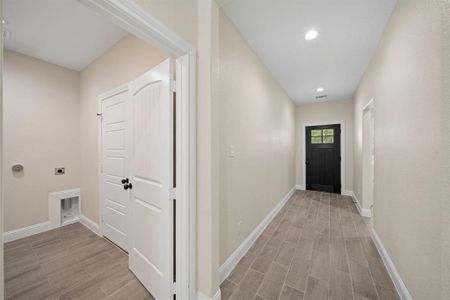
(137, 21)
(368, 108)
(343, 141)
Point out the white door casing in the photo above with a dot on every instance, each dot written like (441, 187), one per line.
(368, 157)
(115, 157)
(151, 173)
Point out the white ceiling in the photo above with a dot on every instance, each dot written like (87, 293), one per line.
(349, 32)
(63, 32)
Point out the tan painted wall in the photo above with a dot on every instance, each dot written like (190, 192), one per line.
(257, 119)
(1, 167)
(179, 16)
(41, 131)
(124, 62)
(326, 112)
(445, 258)
(405, 79)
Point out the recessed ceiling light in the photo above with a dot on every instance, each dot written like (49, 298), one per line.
(4, 22)
(321, 89)
(311, 34)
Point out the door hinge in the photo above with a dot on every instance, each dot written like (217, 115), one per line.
(174, 288)
(173, 193)
(173, 86)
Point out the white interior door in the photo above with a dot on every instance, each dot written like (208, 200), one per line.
(115, 167)
(151, 170)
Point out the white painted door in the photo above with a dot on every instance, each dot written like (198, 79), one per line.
(151, 171)
(115, 166)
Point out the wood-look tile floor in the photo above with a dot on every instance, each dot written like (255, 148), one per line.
(318, 247)
(70, 262)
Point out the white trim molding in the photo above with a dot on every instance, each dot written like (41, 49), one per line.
(347, 193)
(217, 296)
(300, 187)
(392, 270)
(91, 225)
(368, 106)
(343, 154)
(364, 212)
(24, 232)
(227, 267)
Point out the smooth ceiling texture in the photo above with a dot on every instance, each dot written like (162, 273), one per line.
(349, 32)
(65, 33)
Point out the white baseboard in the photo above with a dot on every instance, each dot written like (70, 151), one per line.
(364, 212)
(217, 296)
(393, 273)
(91, 225)
(300, 187)
(16, 234)
(24, 232)
(228, 266)
(347, 193)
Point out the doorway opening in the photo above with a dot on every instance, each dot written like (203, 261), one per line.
(323, 158)
(368, 157)
(145, 142)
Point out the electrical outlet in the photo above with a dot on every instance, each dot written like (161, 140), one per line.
(60, 171)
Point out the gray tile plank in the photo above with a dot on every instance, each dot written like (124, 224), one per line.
(329, 237)
(272, 284)
(68, 262)
(289, 293)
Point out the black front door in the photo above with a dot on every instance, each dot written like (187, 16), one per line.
(323, 158)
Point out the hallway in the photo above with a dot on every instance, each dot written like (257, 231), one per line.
(317, 247)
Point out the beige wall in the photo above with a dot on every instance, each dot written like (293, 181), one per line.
(334, 111)
(405, 79)
(41, 132)
(1, 166)
(125, 61)
(257, 120)
(179, 16)
(445, 259)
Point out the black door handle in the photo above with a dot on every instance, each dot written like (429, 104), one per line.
(307, 163)
(124, 181)
(128, 186)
